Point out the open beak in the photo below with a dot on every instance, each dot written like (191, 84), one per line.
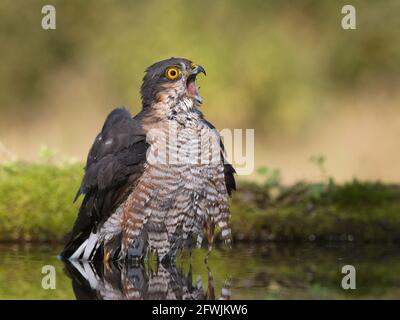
(191, 82)
(198, 69)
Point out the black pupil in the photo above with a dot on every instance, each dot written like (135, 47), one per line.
(172, 73)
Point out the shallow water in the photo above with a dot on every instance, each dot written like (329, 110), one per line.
(246, 272)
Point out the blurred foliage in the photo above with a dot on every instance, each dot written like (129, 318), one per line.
(319, 161)
(271, 177)
(36, 204)
(46, 154)
(354, 211)
(269, 63)
(36, 201)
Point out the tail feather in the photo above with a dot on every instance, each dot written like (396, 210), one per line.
(82, 248)
(76, 255)
(92, 242)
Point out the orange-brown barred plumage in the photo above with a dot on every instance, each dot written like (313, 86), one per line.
(172, 202)
(147, 189)
(125, 281)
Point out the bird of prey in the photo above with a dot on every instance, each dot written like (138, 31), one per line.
(124, 281)
(157, 181)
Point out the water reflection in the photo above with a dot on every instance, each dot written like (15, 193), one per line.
(268, 271)
(124, 281)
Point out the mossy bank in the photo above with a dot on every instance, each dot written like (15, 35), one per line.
(36, 205)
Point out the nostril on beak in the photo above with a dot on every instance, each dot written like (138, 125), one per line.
(198, 69)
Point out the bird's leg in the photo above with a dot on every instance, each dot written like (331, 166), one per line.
(106, 258)
(210, 285)
(190, 244)
(180, 257)
(106, 255)
(210, 236)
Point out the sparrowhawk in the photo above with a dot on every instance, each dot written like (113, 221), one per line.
(157, 181)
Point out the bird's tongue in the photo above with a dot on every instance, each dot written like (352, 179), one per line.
(191, 88)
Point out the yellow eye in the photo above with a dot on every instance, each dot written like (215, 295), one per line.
(172, 73)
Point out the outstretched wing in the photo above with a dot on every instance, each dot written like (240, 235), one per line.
(114, 163)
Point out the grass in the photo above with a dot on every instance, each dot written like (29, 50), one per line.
(36, 205)
(36, 201)
(355, 211)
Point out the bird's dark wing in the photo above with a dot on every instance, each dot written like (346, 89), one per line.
(230, 182)
(114, 163)
(229, 171)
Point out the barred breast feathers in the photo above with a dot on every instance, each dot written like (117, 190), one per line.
(191, 195)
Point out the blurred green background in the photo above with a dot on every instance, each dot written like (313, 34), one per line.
(324, 103)
(285, 68)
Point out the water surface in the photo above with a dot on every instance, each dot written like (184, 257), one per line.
(245, 272)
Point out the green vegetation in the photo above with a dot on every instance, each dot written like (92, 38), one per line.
(271, 64)
(355, 211)
(36, 201)
(36, 205)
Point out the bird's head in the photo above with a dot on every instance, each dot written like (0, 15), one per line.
(170, 80)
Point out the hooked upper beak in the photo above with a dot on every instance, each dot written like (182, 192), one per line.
(190, 83)
(198, 69)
